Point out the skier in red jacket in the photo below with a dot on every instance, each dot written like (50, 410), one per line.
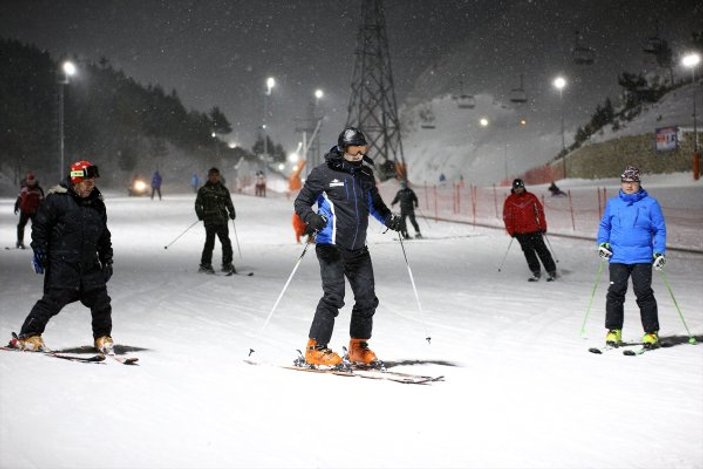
(523, 216)
(27, 204)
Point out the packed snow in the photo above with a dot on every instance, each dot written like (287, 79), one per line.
(520, 388)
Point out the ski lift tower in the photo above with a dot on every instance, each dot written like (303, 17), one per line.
(372, 105)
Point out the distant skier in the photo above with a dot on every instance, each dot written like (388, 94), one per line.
(195, 182)
(156, 184)
(632, 236)
(73, 249)
(556, 192)
(213, 205)
(260, 185)
(345, 192)
(524, 220)
(408, 204)
(28, 200)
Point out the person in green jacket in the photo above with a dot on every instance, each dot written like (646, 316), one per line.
(214, 207)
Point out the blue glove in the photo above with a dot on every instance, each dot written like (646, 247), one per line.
(39, 261)
(659, 261)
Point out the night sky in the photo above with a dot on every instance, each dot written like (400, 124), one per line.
(219, 53)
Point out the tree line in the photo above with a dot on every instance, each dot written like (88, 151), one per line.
(106, 114)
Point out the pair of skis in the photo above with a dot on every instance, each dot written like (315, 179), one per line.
(377, 371)
(96, 358)
(630, 352)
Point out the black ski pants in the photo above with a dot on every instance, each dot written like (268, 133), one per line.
(24, 217)
(55, 299)
(411, 215)
(532, 245)
(642, 285)
(335, 264)
(222, 232)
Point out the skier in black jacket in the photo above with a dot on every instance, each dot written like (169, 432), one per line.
(73, 249)
(345, 192)
(213, 205)
(408, 204)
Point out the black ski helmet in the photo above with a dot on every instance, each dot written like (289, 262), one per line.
(351, 136)
(518, 183)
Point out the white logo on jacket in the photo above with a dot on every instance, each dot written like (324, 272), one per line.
(336, 183)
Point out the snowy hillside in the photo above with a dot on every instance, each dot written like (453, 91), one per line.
(520, 389)
(459, 146)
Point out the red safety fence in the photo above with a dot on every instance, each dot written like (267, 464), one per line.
(577, 213)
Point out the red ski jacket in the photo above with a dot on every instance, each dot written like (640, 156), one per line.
(523, 213)
(29, 199)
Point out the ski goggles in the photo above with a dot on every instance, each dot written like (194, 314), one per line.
(88, 172)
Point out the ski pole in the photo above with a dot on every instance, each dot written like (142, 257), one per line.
(285, 287)
(691, 339)
(236, 238)
(184, 232)
(551, 248)
(593, 294)
(506, 254)
(412, 281)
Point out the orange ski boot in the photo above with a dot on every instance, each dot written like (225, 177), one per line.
(360, 353)
(320, 355)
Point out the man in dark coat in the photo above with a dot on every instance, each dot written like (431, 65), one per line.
(408, 204)
(524, 219)
(346, 194)
(73, 249)
(27, 204)
(213, 205)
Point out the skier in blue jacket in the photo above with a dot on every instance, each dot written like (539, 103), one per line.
(632, 236)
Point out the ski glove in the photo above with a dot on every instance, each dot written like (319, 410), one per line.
(659, 261)
(107, 271)
(394, 223)
(39, 261)
(604, 250)
(232, 215)
(316, 222)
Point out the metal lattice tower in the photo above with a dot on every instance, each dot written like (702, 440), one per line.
(372, 105)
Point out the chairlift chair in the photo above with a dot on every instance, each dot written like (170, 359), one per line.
(464, 101)
(518, 95)
(427, 118)
(583, 55)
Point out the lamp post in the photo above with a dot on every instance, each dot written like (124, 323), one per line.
(559, 83)
(691, 61)
(270, 83)
(68, 69)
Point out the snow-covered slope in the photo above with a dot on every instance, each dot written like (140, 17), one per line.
(524, 391)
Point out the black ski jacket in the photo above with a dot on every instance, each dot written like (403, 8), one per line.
(213, 204)
(345, 194)
(407, 199)
(72, 232)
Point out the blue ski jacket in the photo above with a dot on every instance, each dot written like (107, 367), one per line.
(634, 226)
(346, 194)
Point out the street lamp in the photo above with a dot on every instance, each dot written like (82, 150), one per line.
(559, 83)
(691, 61)
(68, 69)
(270, 83)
